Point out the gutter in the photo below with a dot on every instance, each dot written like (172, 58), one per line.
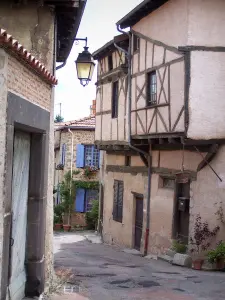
(76, 128)
(142, 153)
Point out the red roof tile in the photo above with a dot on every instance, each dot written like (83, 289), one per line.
(87, 122)
(8, 41)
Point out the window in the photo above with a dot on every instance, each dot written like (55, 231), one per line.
(87, 155)
(166, 183)
(84, 199)
(118, 201)
(136, 43)
(110, 62)
(151, 88)
(127, 161)
(115, 99)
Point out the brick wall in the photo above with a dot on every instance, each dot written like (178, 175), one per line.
(24, 82)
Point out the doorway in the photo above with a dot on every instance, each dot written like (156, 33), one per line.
(182, 214)
(20, 182)
(138, 222)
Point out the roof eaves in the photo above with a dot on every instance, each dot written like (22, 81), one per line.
(142, 10)
(8, 42)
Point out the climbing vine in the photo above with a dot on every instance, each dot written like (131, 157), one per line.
(92, 185)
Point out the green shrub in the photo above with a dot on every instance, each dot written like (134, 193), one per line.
(58, 213)
(92, 216)
(179, 247)
(217, 253)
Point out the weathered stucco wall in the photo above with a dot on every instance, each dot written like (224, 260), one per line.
(115, 232)
(33, 26)
(207, 89)
(3, 105)
(206, 195)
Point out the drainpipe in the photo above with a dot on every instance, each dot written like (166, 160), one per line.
(129, 56)
(71, 169)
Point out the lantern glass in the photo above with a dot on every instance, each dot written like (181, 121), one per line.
(85, 67)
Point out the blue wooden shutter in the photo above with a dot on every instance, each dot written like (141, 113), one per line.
(79, 202)
(80, 156)
(63, 155)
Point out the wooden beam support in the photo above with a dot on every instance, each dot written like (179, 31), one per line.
(208, 158)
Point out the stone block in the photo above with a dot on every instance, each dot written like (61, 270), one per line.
(165, 257)
(171, 253)
(183, 260)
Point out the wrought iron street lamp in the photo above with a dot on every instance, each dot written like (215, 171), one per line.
(85, 65)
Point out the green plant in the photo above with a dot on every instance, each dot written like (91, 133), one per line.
(58, 213)
(179, 247)
(88, 171)
(92, 216)
(58, 119)
(217, 253)
(92, 185)
(67, 194)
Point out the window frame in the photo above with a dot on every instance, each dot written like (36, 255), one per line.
(118, 205)
(149, 86)
(115, 99)
(127, 161)
(136, 44)
(110, 62)
(162, 184)
(93, 148)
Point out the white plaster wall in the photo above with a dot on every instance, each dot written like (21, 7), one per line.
(168, 24)
(206, 20)
(206, 95)
(207, 194)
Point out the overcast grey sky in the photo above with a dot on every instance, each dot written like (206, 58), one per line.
(98, 24)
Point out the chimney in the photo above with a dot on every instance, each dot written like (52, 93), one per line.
(93, 108)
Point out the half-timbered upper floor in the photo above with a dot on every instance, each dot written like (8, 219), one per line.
(177, 74)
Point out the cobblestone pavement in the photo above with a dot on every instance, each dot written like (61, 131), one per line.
(103, 272)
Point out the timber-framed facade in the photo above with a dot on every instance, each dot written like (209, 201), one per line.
(169, 124)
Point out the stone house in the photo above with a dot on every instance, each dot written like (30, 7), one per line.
(29, 49)
(159, 120)
(75, 150)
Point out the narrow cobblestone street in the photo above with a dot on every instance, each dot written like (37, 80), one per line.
(103, 272)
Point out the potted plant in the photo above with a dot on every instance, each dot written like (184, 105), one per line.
(67, 195)
(58, 219)
(201, 241)
(217, 256)
(179, 247)
(90, 170)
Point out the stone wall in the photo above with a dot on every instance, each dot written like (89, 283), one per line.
(18, 79)
(79, 137)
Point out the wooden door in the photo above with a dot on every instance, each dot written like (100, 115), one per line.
(19, 211)
(138, 222)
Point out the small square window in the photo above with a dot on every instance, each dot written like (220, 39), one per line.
(151, 88)
(136, 43)
(166, 183)
(127, 161)
(110, 62)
